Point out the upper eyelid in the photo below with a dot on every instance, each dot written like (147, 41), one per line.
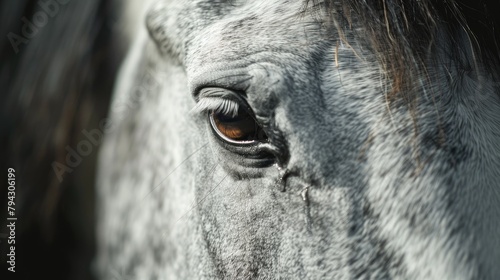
(236, 81)
(220, 100)
(213, 91)
(217, 104)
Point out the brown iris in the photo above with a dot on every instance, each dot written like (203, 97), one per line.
(239, 128)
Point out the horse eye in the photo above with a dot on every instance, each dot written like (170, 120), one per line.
(239, 129)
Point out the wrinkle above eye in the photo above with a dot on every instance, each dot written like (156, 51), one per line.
(228, 75)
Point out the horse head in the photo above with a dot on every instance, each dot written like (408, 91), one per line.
(282, 139)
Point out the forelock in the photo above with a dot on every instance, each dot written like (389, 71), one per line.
(405, 34)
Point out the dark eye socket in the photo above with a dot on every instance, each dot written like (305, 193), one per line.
(239, 129)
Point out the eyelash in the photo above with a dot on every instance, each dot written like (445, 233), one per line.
(217, 105)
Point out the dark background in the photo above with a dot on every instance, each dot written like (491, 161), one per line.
(57, 84)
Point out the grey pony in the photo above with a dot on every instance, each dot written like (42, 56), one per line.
(342, 189)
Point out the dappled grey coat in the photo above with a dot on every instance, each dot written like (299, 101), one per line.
(291, 140)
